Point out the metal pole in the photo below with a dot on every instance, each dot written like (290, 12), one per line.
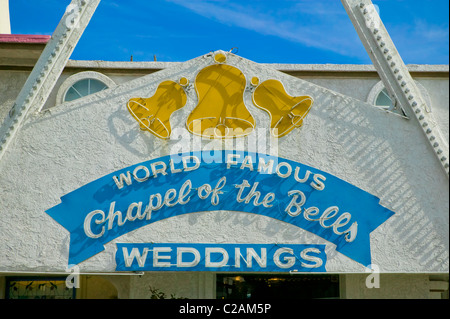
(48, 68)
(395, 75)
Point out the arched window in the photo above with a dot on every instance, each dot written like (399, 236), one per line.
(83, 88)
(383, 100)
(83, 84)
(379, 96)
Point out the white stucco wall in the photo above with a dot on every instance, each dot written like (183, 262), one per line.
(66, 147)
(438, 92)
(11, 83)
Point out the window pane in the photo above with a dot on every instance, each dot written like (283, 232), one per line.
(37, 288)
(83, 88)
(72, 94)
(383, 99)
(277, 286)
(96, 86)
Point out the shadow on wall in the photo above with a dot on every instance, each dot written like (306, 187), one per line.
(396, 166)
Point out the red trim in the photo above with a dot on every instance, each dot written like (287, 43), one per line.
(24, 38)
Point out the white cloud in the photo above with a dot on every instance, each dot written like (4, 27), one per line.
(429, 32)
(314, 24)
(421, 41)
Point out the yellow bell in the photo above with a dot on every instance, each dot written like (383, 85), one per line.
(286, 112)
(153, 114)
(220, 112)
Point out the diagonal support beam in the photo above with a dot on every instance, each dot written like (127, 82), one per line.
(395, 75)
(48, 68)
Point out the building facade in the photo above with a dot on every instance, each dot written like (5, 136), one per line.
(220, 178)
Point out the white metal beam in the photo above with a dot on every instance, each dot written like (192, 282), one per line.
(48, 68)
(395, 75)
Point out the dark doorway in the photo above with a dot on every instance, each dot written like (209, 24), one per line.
(253, 286)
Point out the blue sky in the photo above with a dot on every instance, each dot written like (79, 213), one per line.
(280, 31)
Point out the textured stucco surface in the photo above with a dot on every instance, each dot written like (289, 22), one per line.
(66, 147)
(10, 84)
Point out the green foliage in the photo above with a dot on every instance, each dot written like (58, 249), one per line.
(157, 294)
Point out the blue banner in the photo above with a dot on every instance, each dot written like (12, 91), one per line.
(221, 257)
(179, 184)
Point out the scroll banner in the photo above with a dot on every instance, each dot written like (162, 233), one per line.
(174, 185)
